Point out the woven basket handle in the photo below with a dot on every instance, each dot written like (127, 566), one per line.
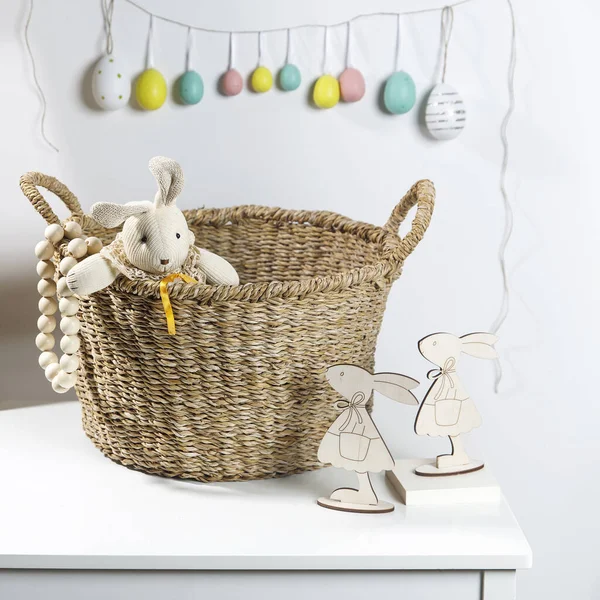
(29, 184)
(421, 194)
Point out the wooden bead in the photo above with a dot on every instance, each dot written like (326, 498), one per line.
(94, 245)
(66, 380)
(58, 388)
(46, 288)
(70, 344)
(77, 247)
(48, 306)
(68, 306)
(63, 288)
(66, 264)
(72, 230)
(54, 233)
(45, 269)
(70, 325)
(46, 324)
(47, 358)
(44, 341)
(51, 371)
(44, 250)
(69, 363)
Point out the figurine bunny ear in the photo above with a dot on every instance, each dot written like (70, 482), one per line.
(169, 176)
(480, 345)
(396, 387)
(111, 215)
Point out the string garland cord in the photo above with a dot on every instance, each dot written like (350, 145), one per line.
(36, 81)
(288, 49)
(108, 8)
(301, 26)
(189, 50)
(348, 35)
(397, 51)
(230, 59)
(259, 62)
(508, 211)
(324, 61)
(149, 44)
(447, 24)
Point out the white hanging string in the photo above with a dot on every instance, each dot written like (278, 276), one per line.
(36, 80)
(149, 50)
(302, 26)
(397, 55)
(508, 211)
(230, 61)
(348, 35)
(447, 24)
(259, 48)
(108, 8)
(324, 61)
(288, 51)
(189, 50)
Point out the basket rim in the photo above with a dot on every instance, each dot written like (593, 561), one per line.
(387, 268)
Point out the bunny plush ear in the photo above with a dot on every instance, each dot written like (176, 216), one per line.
(479, 345)
(396, 387)
(111, 215)
(169, 176)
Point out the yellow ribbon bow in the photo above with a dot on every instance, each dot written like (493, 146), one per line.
(164, 294)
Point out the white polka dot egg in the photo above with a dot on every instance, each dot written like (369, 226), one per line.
(111, 83)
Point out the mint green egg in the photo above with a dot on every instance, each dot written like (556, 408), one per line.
(400, 93)
(191, 87)
(290, 78)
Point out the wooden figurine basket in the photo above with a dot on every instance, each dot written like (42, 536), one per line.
(239, 392)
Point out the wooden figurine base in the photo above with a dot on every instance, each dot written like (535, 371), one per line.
(430, 469)
(415, 490)
(380, 507)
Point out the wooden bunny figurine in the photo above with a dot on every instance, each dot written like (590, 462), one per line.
(447, 408)
(155, 241)
(353, 441)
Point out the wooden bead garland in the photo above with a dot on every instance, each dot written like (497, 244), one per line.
(61, 373)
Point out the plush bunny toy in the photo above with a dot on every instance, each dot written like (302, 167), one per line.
(155, 241)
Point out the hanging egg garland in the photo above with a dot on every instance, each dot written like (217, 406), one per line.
(352, 85)
(261, 80)
(151, 89)
(231, 83)
(111, 87)
(326, 93)
(445, 113)
(290, 78)
(399, 93)
(191, 87)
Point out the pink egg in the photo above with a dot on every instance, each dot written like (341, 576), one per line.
(352, 85)
(231, 83)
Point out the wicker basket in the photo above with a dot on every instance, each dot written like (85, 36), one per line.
(238, 393)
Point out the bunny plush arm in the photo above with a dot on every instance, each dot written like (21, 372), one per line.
(155, 237)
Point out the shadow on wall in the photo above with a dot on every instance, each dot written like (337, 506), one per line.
(22, 381)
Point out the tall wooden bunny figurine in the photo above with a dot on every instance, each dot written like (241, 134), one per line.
(353, 442)
(447, 408)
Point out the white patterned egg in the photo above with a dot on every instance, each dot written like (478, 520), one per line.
(445, 113)
(111, 84)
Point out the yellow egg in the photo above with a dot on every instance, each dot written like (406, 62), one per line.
(327, 91)
(262, 80)
(151, 89)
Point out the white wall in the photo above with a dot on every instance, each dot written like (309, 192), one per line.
(540, 433)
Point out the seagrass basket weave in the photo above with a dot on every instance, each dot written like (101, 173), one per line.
(239, 392)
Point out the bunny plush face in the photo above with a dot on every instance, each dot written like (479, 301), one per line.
(155, 236)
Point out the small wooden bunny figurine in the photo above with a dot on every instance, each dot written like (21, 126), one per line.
(353, 441)
(447, 408)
